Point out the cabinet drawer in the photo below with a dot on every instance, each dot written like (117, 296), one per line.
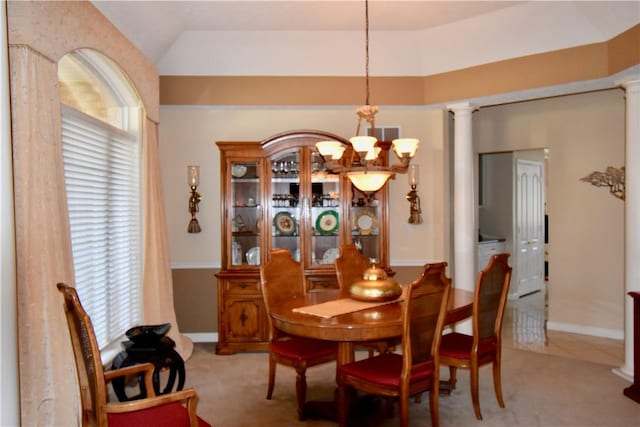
(486, 251)
(242, 286)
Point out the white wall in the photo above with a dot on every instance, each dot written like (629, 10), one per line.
(583, 133)
(188, 136)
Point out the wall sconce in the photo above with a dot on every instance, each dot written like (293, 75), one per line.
(193, 179)
(415, 212)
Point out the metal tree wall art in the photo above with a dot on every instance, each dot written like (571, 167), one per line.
(612, 178)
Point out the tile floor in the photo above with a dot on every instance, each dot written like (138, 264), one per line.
(525, 327)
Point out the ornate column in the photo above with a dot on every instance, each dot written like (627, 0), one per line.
(632, 217)
(465, 233)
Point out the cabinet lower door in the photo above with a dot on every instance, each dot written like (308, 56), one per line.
(245, 324)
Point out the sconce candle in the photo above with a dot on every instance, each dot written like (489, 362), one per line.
(415, 211)
(193, 176)
(193, 180)
(414, 175)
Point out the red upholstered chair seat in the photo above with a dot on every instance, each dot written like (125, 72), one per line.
(459, 346)
(300, 349)
(385, 370)
(169, 415)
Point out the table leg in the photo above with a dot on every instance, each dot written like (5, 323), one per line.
(345, 353)
(329, 410)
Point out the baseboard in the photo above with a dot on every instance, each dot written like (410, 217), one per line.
(202, 336)
(586, 330)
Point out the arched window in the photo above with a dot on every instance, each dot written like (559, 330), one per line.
(101, 127)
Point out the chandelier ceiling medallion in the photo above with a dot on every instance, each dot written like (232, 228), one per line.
(365, 168)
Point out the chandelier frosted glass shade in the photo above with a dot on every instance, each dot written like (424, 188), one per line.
(369, 181)
(330, 149)
(405, 147)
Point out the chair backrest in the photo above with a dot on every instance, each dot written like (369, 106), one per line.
(93, 390)
(490, 299)
(281, 278)
(350, 265)
(425, 309)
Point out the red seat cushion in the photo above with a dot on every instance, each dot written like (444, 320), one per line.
(303, 348)
(459, 345)
(384, 369)
(169, 415)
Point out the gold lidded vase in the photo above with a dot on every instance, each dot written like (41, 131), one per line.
(375, 286)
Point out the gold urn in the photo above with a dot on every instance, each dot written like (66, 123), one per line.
(375, 286)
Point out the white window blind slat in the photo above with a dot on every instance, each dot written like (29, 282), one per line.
(103, 191)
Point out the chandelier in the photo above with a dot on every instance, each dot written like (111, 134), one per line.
(364, 167)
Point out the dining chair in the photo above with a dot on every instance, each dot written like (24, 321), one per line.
(484, 346)
(168, 410)
(281, 277)
(415, 370)
(350, 267)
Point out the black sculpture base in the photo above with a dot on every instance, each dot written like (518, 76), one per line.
(161, 354)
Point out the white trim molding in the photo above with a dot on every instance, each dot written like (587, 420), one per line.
(615, 334)
(202, 336)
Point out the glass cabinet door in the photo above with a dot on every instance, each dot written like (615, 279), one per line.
(325, 212)
(245, 213)
(286, 205)
(366, 217)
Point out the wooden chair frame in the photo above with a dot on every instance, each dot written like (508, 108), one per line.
(93, 379)
(485, 345)
(281, 278)
(350, 266)
(427, 300)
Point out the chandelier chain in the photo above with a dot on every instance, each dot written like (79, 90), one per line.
(366, 15)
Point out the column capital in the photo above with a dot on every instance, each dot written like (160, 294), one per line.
(461, 107)
(629, 82)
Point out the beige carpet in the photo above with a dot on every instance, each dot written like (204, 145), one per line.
(539, 390)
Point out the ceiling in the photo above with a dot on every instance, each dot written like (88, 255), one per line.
(169, 19)
(157, 27)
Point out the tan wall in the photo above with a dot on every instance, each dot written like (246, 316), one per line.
(563, 66)
(196, 299)
(583, 133)
(199, 110)
(188, 135)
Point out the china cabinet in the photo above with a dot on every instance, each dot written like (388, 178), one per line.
(278, 194)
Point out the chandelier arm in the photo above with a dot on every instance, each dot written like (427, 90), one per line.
(367, 169)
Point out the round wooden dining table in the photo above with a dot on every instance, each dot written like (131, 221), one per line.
(371, 324)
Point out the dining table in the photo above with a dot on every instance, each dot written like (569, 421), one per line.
(332, 315)
(370, 321)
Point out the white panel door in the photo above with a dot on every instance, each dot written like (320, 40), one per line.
(529, 227)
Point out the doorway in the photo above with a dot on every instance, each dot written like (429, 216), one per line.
(512, 189)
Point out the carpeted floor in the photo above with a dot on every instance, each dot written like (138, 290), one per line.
(539, 390)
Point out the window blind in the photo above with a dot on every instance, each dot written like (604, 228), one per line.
(102, 178)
